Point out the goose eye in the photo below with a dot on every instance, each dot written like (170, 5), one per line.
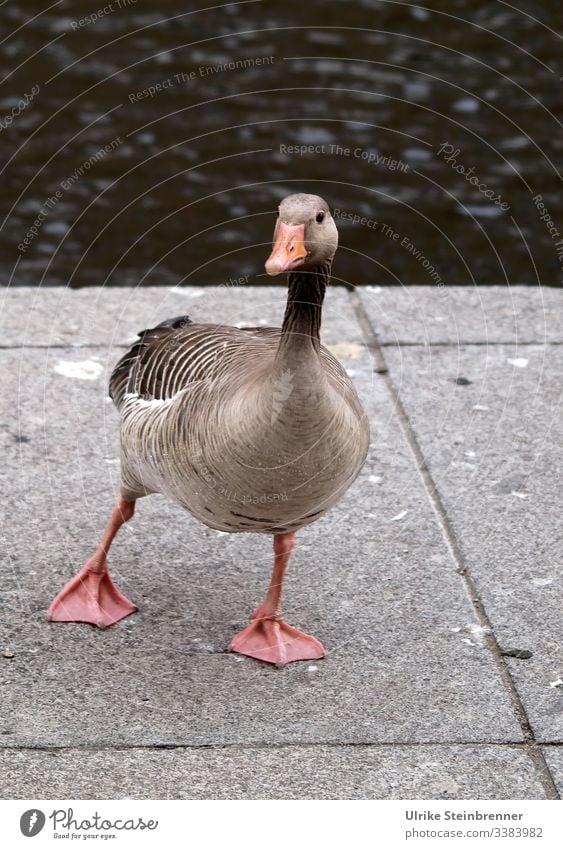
(320, 217)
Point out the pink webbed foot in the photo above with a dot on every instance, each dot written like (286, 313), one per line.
(274, 641)
(91, 596)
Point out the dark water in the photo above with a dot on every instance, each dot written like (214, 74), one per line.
(114, 185)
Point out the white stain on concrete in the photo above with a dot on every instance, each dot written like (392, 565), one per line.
(81, 370)
(542, 582)
(346, 350)
(476, 634)
(188, 292)
(399, 516)
(519, 362)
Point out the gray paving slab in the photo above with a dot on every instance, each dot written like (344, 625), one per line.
(554, 758)
(374, 581)
(286, 772)
(458, 314)
(494, 447)
(106, 316)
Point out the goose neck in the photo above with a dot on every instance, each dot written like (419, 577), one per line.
(302, 320)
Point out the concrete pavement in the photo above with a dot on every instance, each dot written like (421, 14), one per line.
(443, 556)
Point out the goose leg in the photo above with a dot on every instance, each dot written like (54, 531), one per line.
(91, 595)
(268, 637)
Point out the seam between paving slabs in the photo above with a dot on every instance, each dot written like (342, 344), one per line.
(531, 745)
(157, 747)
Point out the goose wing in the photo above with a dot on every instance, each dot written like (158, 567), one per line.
(178, 350)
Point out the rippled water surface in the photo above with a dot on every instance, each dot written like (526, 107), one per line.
(152, 144)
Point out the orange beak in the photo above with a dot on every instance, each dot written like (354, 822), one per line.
(289, 249)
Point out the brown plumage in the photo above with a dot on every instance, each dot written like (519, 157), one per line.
(256, 429)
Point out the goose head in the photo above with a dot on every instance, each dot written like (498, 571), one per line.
(305, 235)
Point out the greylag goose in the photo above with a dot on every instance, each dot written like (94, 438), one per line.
(251, 430)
